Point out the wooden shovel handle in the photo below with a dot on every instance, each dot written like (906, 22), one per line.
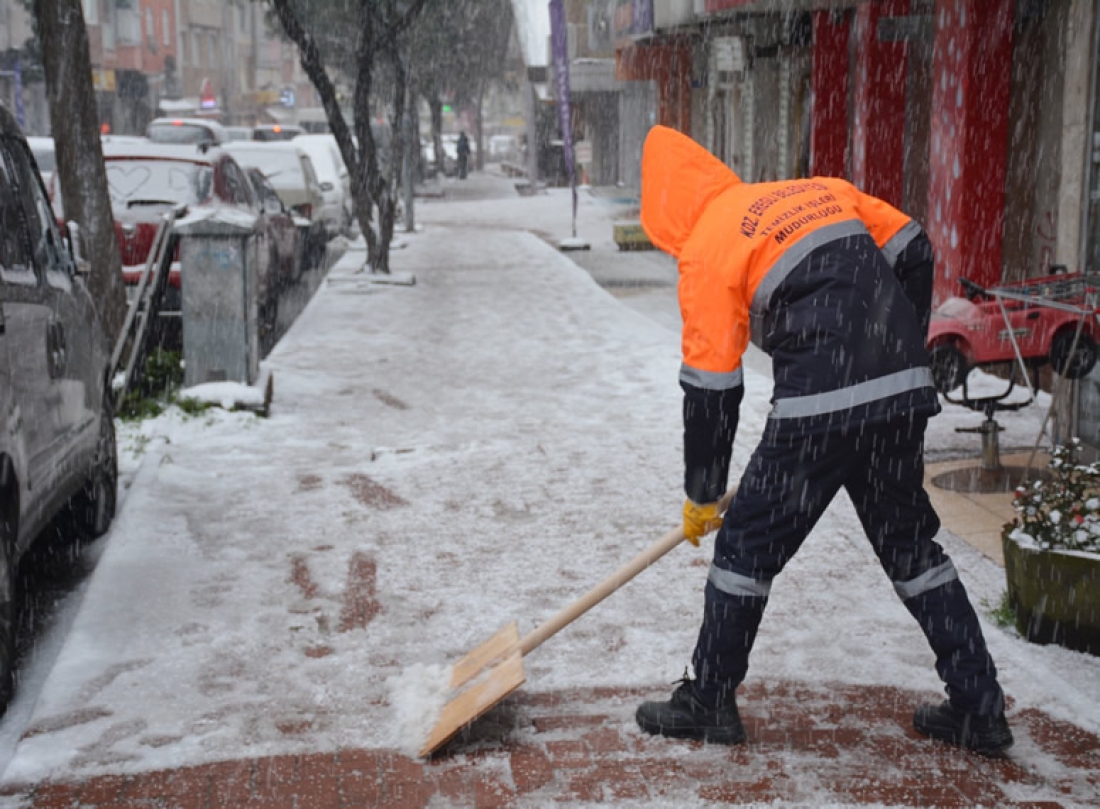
(570, 613)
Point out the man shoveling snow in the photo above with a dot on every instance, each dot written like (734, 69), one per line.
(836, 286)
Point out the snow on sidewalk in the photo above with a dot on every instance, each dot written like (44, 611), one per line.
(440, 460)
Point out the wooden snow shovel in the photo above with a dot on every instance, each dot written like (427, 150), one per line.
(487, 675)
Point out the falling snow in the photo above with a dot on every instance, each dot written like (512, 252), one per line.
(538, 449)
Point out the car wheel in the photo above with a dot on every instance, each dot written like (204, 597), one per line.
(1084, 354)
(949, 368)
(94, 506)
(9, 613)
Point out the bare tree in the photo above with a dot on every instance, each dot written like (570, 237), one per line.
(80, 169)
(459, 47)
(376, 27)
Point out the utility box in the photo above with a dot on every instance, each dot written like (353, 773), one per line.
(219, 276)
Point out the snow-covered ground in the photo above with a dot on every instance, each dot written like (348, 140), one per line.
(442, 459)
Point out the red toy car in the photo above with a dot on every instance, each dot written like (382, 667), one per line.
(1052, 319)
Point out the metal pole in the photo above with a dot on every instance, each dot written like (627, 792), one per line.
(1090, 147)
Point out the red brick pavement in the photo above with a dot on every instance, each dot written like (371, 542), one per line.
(808, 744)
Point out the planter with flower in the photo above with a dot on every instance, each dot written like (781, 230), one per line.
(1052, 554)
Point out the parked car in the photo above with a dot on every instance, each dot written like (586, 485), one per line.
(288, 233)
(503, 147)
(58, 457)
(238, 132)
(186, 130)
(970, 331)
(267, 132)
(290, 172)
(335, 181)
(145, 181)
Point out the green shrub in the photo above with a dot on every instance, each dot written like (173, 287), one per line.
(159, 384)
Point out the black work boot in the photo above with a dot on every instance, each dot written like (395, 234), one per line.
(686, 717)
(985, 735)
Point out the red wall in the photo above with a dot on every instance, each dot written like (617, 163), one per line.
(878, 120)
(829, 133)
(668, 63)
(971, 73)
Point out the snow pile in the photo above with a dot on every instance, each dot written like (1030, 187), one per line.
(417, 696)
(227, 395)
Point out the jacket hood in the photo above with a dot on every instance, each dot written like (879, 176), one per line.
(679, 180)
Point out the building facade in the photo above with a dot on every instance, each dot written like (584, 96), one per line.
(213, 58)
(980, 118)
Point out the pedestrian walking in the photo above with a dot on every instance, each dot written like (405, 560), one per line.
(463, 154)
(836, 286)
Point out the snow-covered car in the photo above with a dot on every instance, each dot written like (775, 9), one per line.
(58, 457)
(145, 180)
(186, 130)
(287, 232)
(290, 171)
(334, 179)
(503, 147)
(971, 331)
(269, 132)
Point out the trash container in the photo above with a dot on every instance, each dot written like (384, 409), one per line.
(219, 276)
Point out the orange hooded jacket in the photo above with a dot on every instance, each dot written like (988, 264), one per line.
(730, 236)
(808, 270)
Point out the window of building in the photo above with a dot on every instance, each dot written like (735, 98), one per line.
(196, 49)
(214, 49)
(150, 30)
(165, 28)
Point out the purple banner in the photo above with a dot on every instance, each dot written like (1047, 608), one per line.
(559, 51)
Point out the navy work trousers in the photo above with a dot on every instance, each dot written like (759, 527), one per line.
(786, 487)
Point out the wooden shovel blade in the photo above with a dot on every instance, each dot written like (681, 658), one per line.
(488, 652)
(480, 681)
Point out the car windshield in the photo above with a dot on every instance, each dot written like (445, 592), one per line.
(144, 182)
(179, 132)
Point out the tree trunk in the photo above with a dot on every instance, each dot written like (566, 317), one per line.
(408, 160)
(389, 184)
(435, 106)
(80, 169)
(417, 153)
(480, 133)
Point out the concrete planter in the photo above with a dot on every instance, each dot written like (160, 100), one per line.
(1054, 594)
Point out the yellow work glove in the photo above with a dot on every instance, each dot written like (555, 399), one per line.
(700, 520)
